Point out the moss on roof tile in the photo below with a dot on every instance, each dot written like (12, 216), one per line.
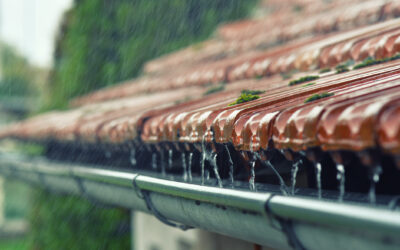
(303, 79)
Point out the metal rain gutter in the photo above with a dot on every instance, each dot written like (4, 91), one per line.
(282, 222)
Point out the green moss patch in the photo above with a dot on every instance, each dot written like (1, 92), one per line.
(303, 79)
(308, 84)
(318, 96)
(244, 97)
(372, 61)
(341, 68)
(252, 92)
(214, 89)
(259, 77)
(324, 70)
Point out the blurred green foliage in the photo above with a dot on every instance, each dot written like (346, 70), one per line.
(103, 42)
(17, 75)
(14, 244)
(68, 222)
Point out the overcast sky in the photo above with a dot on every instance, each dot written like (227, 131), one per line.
(31, 25)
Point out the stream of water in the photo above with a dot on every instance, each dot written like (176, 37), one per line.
(190, 167)
(341, 178)
(231, 173)
(295, 170)
(132, 157)
(318, 170)
(154, 161)
(185, 175)
(375, 176)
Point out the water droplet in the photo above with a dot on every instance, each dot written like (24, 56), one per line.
(341, 178)
(162, 164)
(215, 167)
(295, 169)
(231, 177)
(184, 167)
(252, 179)
(318, 169)
(170, 158)
(190, 166)
(203, 158)
(154, 161)
(203, 162)
(132, 157)
(375, 176)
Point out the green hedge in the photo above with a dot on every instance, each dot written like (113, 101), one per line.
(18, 77)
(103, 42)
(68, 222)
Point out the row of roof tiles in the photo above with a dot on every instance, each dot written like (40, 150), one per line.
(280, 26)
(380, 40)
(362, 114)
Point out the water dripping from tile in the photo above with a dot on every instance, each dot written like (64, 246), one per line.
(162, 164)
(170, 158)
(282, 184)
(203, 162)
(231, 174)
(154, 161)
(132, 157)
(340, 176)
(184, 168)
(203, 158)
(318, 170)
(252, 178)
(375, 176)
(294, 171)
(190, 167)
(215, 168)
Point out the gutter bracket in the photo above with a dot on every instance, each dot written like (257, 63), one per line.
(394, 203)
(286, 226)
(145, 195)
(84, 194)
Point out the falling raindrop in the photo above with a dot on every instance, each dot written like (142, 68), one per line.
(170, 158)
(318, 169)
(162, 164)
(203, 158)
(185, 176)
(154, 161)
(190, 166)
(341, 178)
(230, 165)
(132, 157)
(295, 169)
(203, 162)
(375, 176)
(252, 179)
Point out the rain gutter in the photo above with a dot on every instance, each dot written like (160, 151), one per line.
(282, 222)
